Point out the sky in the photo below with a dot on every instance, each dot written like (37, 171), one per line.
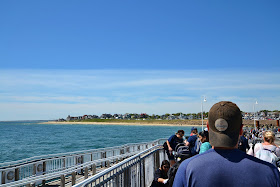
(60, 58)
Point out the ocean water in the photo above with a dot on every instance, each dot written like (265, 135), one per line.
(24, 139)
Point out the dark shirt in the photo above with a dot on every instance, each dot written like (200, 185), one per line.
(243, 144)
(159, 174)
(192, 140)
(174, 140)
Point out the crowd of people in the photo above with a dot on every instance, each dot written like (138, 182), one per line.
(221, 153)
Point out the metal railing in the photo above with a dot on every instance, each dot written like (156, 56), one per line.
(136, 171)
(39, 169)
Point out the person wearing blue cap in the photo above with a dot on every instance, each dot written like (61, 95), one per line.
(193, 131)
(192, 142)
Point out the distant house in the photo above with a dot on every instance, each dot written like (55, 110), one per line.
(135, 116)
(171, 117)
(118, 116)
(94, 116)
(90, 117)
(126, 116)
(190, 117)
(106, 116)
(70, 118)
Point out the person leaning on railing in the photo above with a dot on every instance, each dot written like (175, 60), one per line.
(172, 142)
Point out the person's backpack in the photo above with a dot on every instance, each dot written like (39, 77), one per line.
(172, 172)
(165, 146)
(182, 153)
(267, 155)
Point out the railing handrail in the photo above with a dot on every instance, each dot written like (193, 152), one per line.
(59, 173)
(50, 156)
(104, 172)
(115, 153)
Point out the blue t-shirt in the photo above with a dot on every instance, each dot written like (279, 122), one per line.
(229, 168)
(192, 140)
(174, 140)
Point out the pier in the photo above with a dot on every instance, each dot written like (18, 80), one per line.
(113, 166)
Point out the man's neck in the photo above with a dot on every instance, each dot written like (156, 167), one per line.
(225, 148)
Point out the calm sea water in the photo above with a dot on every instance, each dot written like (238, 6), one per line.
(21, 140)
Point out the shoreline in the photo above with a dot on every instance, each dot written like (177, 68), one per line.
(121, 123)
(182, 123)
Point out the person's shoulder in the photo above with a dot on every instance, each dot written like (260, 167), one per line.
(172, 136)
(158, 171)
(258, 145)
(186, 165)
(193, 137)
(206, 144)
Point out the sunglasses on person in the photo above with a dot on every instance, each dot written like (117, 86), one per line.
(166, 167)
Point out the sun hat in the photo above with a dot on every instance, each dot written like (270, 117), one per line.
(225, 122)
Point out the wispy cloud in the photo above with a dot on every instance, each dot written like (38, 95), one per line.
(154, 91)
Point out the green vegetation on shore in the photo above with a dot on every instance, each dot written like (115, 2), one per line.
(193, 122)
(136, 121)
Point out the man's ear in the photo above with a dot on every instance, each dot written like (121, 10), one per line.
(241, 130)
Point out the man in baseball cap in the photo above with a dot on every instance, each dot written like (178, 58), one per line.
(224, 164)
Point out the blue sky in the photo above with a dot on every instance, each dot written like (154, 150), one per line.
(93, 57)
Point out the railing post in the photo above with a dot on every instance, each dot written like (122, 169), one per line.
(140, 172)
(64, 163)
(116, 181)
(73, 178)
(93, 169)
(16, 174)
(86, 172)
(34, 169)
(126, 177)
(143, 173)
(62, 181)
(107, 164)
(157, 161)
(82, 159)
(44, 167)
(3, 177)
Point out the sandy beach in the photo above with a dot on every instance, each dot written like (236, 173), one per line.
(123, 123)
(162, 123)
